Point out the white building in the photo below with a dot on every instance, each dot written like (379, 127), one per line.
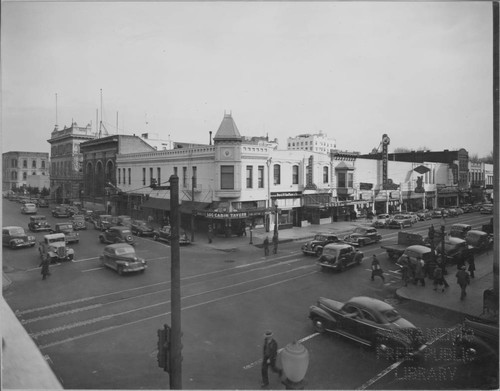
(318, 142)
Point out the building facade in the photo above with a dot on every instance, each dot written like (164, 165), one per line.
(25, 169)
(66, 174)
(318, 142)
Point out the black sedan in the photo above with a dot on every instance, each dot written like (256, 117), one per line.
(370, 322)
(122, 258)
(165, 234)
(141, 228)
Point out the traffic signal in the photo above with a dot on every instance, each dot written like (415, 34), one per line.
(164, 348)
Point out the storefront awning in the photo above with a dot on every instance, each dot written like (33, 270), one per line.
(157, 203)
(189, 206)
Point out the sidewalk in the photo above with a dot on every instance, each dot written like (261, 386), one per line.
(450, 299)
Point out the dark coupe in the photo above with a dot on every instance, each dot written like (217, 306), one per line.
(363, 236)
(141, 228)
(315, 246)
(370, 322)
(122, 258)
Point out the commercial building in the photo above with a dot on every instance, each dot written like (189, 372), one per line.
(313, 142)
(21, 168)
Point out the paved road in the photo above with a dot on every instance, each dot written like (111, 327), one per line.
(98, 330)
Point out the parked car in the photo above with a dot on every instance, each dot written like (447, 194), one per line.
(29, 208)
(456, 250)
(467, 208)
(316, 245)
(122, 258)
(486, 209)
(399, 221)
(72, 210)
(124, 221)
(479, 240)
(43, 203)
(363, 236)
(460, 211)
(78, 222)
(381, 220)
(452, 212)
(439, 212)
(117, 234)
(60, 211)
(424, 214)
(414, 217)
(460, 230)
(165, 234)
(54, 248)
(38, 223)
(141, 228)
(339, 256)
(67, 229)
(368, 321)
(15, 237)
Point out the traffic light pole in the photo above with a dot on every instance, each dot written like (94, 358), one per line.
(175, 292)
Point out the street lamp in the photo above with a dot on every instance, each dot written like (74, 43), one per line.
(294, 361)
(276, 219)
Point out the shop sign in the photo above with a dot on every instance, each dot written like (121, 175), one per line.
(230, 215)
(289, 194)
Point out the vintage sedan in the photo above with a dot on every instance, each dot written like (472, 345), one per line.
(400, 221)
(165, 234)
(66, 228)
(339, 256)
(43, 203)
(381, 220)
(53, 248)
(61, 211)
(456, 250)
(316, 245)
(479, 240)
(28, 209)
(370, 322)
(38, 223)
(439, 212)
(15, 237)
(122, 258)
(486, 209)
(424, 214)
(363, 236)
(460, 230)
(79, 222)
(117, 235)
(141, 228)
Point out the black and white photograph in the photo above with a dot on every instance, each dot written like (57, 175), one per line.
(250, 195)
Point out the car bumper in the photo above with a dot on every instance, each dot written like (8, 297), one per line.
(332, 266)
(134, 268)
(23, 244)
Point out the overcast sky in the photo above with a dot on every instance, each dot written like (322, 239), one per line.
(419, 71)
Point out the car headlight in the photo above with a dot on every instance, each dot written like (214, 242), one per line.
(17, 241)
(126, 264)
(31, 238)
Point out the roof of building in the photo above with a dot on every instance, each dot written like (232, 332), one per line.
(228, 131)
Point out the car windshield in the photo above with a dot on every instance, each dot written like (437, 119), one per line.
(17, 231)
(391, 315)
(319, 237)
(30, 205)
(124, 250)
(125, 231)
(78, 217)
(38, 218)
(399, 217)
(329, 251)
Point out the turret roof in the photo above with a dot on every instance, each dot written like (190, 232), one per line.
(228, 131)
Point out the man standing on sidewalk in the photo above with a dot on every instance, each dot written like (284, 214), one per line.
(463, 279)
(270, 353)
(275, 243)
(266, 246)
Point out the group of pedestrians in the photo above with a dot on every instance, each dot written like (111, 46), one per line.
(275, 242)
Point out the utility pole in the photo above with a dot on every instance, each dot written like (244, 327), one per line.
(175, 292)
(193, 179)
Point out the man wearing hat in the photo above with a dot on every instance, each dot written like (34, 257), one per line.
(270, 352)
(463, 279)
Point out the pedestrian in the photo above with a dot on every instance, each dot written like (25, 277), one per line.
(377, 269)
(463, 279)
(275, 243)
(45, 268)
(266, 246)
(420, 271)
(210, 233)
(438, 278)
(403, 263)
(270, 353)
(472, 264)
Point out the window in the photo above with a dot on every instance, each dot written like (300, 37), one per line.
(144, 176)
(195, 177)
(295, 175)
(158, 176)
(227, 177)
(25, 164)
(184, 176)
(350, 177)
(249, 177)
(25, 175)
(325, 174)
(277, 174)
(151, 177)
(119, 176)
(33, 173)
(260, 177)
(43, 164)
(341, 182)
(129, 175)
(33, 164)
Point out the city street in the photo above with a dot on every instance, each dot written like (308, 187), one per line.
(98, 330)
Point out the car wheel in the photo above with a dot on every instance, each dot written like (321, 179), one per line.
(341, 266)
(139, 233)
(120, 270)
(318, 252)
(156, 237)
(101, 239)
(318, 325)
(12, 246)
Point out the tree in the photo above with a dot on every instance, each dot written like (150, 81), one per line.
(45, 192)
(488, 159)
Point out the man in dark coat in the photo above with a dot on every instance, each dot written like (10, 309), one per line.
(266, 246)
(376, 269)
(270, 353)
(463, 279)
(275, 243)
(472, 264)
(45, 268)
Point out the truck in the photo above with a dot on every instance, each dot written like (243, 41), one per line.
(405, 239)
(54, 248)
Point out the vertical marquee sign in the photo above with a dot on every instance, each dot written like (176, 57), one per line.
(385, 142)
